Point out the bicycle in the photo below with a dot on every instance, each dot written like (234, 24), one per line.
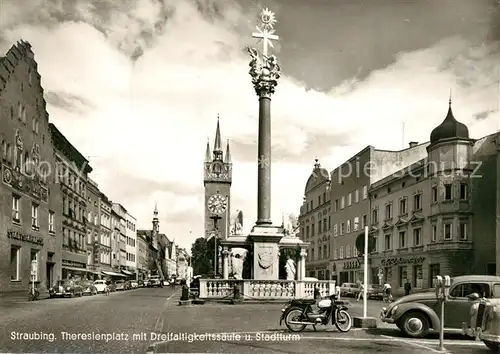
(34, 294)
(388, 298)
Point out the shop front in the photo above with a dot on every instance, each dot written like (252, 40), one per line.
(74, 270)
(350, 271)
(399, 269)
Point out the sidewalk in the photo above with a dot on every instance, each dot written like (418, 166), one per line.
(19, 297)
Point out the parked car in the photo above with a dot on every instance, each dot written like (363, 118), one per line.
(134, 284)
(155, 281)
(375, 291)
(484, 324)
(89, 288)
(100, 285)
(140, 284)
(66, 288)
(349, 289)
(417, 314)
(120, 285)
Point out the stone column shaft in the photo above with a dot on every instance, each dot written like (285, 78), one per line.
(264, 161)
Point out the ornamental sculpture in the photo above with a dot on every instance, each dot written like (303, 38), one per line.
(264, 69)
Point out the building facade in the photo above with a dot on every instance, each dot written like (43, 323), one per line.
(183, 264)
(73, 170)
(315, 222)
(30, 202)
(93, 227)
(142, 256)
(131, 247)
(106, 252)
(438, 215)
(217, 180)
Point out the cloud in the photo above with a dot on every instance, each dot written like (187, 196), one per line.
(155, 74)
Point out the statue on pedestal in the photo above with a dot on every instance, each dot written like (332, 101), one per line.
(237, 259)
(290, 269)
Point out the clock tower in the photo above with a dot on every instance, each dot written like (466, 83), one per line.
(217, 179)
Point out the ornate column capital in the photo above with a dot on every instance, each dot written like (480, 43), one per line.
(303, 253)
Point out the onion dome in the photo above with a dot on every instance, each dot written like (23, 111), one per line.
(450, 128)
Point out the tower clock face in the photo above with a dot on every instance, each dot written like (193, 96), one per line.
(217, 203)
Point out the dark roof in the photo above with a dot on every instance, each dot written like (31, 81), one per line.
(64, 146)
(449, 128)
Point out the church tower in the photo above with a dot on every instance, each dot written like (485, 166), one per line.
(217, 180)
(156, 227)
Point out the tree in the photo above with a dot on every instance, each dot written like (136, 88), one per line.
(200, 259)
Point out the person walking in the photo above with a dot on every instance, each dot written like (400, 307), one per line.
(361, 291)
(407, 287)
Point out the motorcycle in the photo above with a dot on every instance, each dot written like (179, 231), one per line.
(299, 313)
(484, 321)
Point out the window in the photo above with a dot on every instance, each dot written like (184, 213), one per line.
(447, 231)
(402, 207)
(463, 231)
(356, 196)
(434, 233)
(15, 208)
(402, 239)
(348, 251)
(341, 251)
(356, 223)
(434, 194)
(462, 290)
(15, 263)
(51, 221)
(447, 192)
(342, 227)
(388, 211)
(312, 229)
(335, 254)
(417, 237)
(463, 191)
(34, 215)
(374, 216)
(349, 199)
(34, 264)
(319, 200)
(387, 240)
(307, 231)
(365, 220)
(348, 226)
(324, 225)
(319, 227)
(342, 202)
(365, 192)
(336, 206)
(417, 202)
(335, 230)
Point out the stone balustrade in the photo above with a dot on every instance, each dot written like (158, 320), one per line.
(217, 289)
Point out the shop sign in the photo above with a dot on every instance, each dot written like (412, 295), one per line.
(397, 261)
(352, 265)
(69, 263)
(16, 235)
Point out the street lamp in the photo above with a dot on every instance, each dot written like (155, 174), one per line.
(215, 219)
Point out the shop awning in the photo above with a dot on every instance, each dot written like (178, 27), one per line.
(75, 269)
(126, 272)
(112, 274)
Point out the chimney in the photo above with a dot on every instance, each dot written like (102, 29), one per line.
(413, 144)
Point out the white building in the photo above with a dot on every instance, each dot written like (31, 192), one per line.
(131, 247)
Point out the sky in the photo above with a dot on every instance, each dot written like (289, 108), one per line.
(136, 86)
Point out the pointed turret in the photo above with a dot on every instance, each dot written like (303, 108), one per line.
(156, 222)
(208, 155)
(227, 158)
(217, 143)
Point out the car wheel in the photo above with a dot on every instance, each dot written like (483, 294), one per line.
(415, 324)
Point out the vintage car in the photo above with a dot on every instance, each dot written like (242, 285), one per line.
(100, 285)
(120, 285)
(66, 288)
(349, 289)
(89, 288)
(484, 321)
(375, 291)
(417, 314)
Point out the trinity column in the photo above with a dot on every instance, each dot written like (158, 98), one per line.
(265, 72)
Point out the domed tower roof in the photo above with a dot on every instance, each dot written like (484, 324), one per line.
(449, 128)
(318, 176)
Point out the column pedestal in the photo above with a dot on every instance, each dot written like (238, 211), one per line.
(225, 263)
(265, 239)
(302, 265)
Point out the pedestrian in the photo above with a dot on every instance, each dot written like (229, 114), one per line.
(361, 292)
(407, 287)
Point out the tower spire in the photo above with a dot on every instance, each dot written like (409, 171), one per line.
(217, 143)
(449, 101)
(208, 155)
(227, 158)
(155, 212)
